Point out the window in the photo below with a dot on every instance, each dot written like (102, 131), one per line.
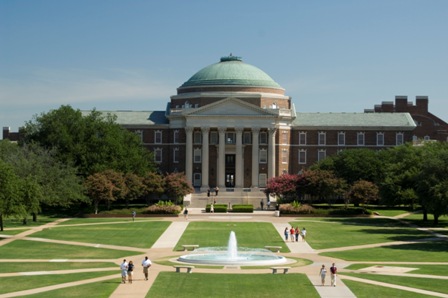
(263, 138)
(262, 179)
(321, 154)
(360, 138)
(380, 138)
(247, 137)
(197, 155)
(230, 138)
(158, 137)
(263, 156)
(399, 138)
(341, 138)
(158, 155)
(426, 138)
(302, 138)
(284, 156)
(197, 137)
(302, 156)
(213, 137)
(285, 137)
(176, 155)
(176, 137)
(322, 138)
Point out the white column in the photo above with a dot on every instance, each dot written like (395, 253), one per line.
(189, 154)
(271, 153)
(239, 161)
(255, 157)
(205, 157)
(221, 157)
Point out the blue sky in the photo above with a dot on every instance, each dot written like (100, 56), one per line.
(330, 56)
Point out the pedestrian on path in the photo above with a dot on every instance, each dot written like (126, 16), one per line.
(186, 213)
(216, 190)
(262, 204)
(146, 263)
(291, 233)
(212, 208)
(303, 234)
(124, 271)
(130, 271)
(333, 271)
(323, 274)
(134, 214)
(297, 233)
(286, 232)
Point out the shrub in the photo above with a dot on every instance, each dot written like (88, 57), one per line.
(308, 209)
(296, 208)
(217, 208)
(163, 207)
(243, 208)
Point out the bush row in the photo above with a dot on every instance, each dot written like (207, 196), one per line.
(310, 210)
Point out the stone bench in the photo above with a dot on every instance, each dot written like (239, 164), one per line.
(275, 269)
(190, 246)
(189, 268)
(273, 248)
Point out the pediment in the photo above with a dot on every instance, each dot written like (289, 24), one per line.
(230, 107)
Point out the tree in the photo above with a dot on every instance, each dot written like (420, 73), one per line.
(324, 184)
(11, 203)
(99, 188)
(135, 186)
(284, 186)
(432, 181)
(92, 143)
(363, 192)
(153, 186)
(177, 186)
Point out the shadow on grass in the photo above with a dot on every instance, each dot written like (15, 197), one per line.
(368, 222)
(406, 234)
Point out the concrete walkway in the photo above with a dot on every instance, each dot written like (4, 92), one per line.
(163, 247)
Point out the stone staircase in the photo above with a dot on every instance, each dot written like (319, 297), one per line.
(200, 199)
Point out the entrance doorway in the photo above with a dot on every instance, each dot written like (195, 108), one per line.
(230, 170)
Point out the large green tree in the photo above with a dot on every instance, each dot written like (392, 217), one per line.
(93, 142)
(11, 203)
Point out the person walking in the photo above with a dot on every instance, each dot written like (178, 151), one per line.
(291, 233)
(261, 204)
(124, 271)
(286, 232)
(334, 272)
(323, 274)
(216, 190)
(134, 214)
(146, 263)
(130, 271)
(303, 234)
(297, 233)
(186, 213)
(212, 208)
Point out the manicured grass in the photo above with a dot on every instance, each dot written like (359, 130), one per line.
(389, 212)
(18, 223)
(248, 234)
(136, 234)
(429, 284)
(98, 290)
(20, 283)
(340, 232)
(22, 249)
(10, 267)
(171, 284)
(417, 219)
(13, 232)
(92, 220)
(362, 290)
(416, 252)
(422, 269)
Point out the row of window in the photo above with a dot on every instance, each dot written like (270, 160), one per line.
(230, 138)
(360, 138)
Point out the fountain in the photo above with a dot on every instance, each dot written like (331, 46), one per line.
(232, 255)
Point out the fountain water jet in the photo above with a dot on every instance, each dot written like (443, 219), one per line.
(232, 255)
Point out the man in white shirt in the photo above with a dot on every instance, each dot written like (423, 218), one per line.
(124, 271)
(146, 263)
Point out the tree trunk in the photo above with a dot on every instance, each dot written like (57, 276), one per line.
(25, 221)
(425, 215)
(436, 219)
(1, 222)
(34, 217)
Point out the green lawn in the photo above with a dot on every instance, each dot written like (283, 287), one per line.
(417, 219)
(13, 232)
(340, 232)
(136, 234)
(231, 285)
(22, 249)
(389, 212)
(98, 290)
(18, 223)
(20, 283)
(417, 252)
(362, 290)
(248, 234)
(75, 221)
(429, 284)
(10, 267)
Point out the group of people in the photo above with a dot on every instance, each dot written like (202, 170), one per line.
(216, 191)
(268, 204)
(127, 270)
(333, 272)
(294, 234)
